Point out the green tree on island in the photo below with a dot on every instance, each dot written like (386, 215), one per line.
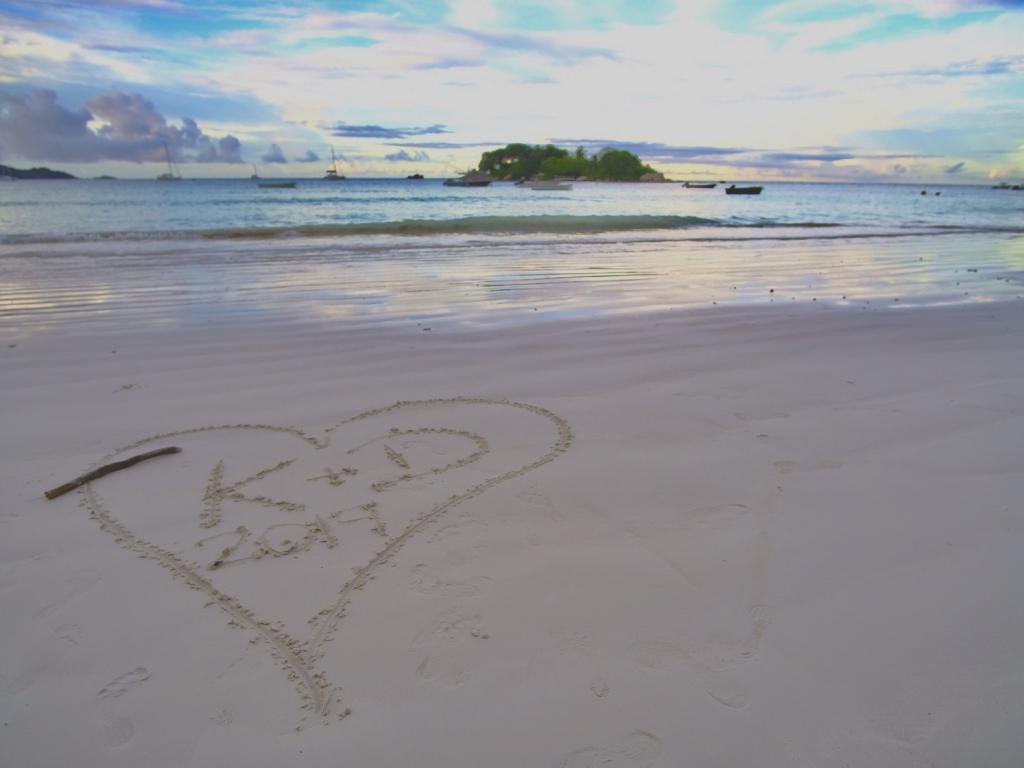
(522, 161)
(518, 161)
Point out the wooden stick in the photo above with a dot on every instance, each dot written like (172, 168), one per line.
(106, 469)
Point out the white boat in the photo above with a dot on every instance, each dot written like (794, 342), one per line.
(254, 175)
(548, 185)
(172, 172)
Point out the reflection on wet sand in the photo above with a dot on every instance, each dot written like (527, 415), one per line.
(488, 281)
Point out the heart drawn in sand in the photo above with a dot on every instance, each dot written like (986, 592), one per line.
(280, 528)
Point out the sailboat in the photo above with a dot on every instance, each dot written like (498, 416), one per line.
(172, 174)
(254, 174)
(332, 172)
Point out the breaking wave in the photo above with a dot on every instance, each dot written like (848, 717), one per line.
(470, 225)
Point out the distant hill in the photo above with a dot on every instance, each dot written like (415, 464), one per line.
(33, 173)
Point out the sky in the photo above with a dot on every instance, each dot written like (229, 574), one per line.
(831, 90)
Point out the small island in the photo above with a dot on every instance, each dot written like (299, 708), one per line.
(516, 162)
(33, 173)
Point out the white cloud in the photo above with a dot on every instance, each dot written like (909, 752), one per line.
(684, 81)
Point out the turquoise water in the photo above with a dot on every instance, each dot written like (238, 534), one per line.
(70, 210)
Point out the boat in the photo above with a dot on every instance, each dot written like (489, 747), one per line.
(254, 174)
(469, 179)
(548, 185)
(172, 174)
(732, 189)
(699, 185)
(332, 172)
(414, 176)
(277, 184)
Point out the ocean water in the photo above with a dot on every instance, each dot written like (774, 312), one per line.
(56, 210)
(100, 257)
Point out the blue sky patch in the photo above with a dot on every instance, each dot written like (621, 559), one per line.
(905, 25)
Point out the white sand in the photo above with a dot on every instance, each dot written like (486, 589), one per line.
(774, 537)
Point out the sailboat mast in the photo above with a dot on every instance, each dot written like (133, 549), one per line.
(332, 172)
(171, 175)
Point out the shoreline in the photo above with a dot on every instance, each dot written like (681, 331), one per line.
(501, 229)
(480, 282)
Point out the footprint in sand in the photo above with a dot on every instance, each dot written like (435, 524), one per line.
(657, 654)
(637, 749)
(724, 690)
(123, 683)
(440, 639)
(435, 669)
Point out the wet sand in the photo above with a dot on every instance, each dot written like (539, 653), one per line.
(472, 282)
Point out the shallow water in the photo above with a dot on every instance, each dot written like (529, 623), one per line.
(57, 210)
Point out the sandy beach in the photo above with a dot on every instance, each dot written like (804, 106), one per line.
(490, 384)
(772, 534)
